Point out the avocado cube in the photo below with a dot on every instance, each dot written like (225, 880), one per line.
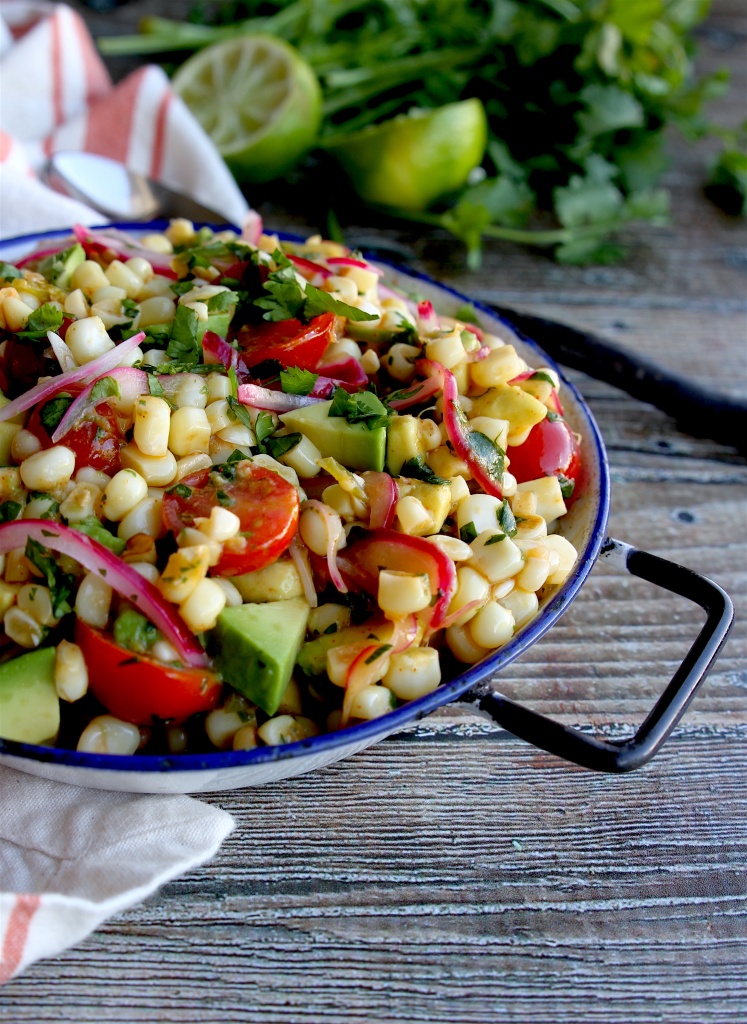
(404, 442)
(29, 705)
(257, 648)
(351, 444)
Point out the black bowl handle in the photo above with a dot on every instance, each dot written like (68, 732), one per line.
(626, 755)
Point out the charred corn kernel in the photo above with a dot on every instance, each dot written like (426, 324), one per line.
(500, 590)
(291, 702)
(508, 485)
(89, 277)
(534, 574)
(372, 702)
(189, 431)
(492, 627)
(496, 430)
(444, 463)
(146, 570)
(342, 287)
(399, 362)
(192, 391)
(304, 458)
(159, 309)
(176, 739)
(462, 646)
(567, 556)
(370, 362)
(472, 592)
(549, 497)
(157, 242)
(189, 536)
(24, 443)
(47, 470)
(530, 528)
(333, 720)
(159, 471)
(238, 435)
(140, 548)
(125, 490)
(11, 488)
(522, 604)
(164, 652)
(124, 277)
(109, 313)
(278, 581)
(76, 304)
(394, 319)
(8, 594)
(221, 524)
(17, 568)
(70, 672)
(89, 475)
(413, 673)
(93, 600)
(40, 508)
(36, 601)
(524, 504)
(109, 291)
(339, 659)
(341, 502)
(87, 339)
(233, 597)
(146, 517)
(155, 357)
(180, 231)
(496, 555)
(192, 463)
(203, 606)
(287, 729)
(329, 618)
(80, 502)
(502, 365)
(106, 734)
(141, 267)
(448, 349)
(455, 549)
(22, 628)
(363, 279)
(218, 385)
(412, 516)
(246, 738)
(459, 491)
(158, 285)
(403, 593)
(152, 425)
(219, 415)
(200, 308)
(316, 528)
(481, 510)
(430, 434)
(184, 570)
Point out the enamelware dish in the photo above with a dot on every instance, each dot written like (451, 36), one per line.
(585, 526)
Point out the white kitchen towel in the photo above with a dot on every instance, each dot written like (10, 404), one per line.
(71, 857)
(56, 94)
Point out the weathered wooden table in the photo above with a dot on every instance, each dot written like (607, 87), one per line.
(454, 873)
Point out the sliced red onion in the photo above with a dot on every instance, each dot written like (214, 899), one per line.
(455, 616)
(334, 539)
(382, 494)
(364, 670)
(118, 575)
(553, 400)
(457, 428)
(348, 261)
(217, 350)
(416, 394)
(123, 245)
(131, 383)
(275, 401)
(251, 229)
(479, 354)
(89, 371)
(40, 254)
(404, 633)
(300, 558)
(62, 353)
(308, 269)
(346, 371)
(428, 322)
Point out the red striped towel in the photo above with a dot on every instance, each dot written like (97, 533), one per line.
(57, 94)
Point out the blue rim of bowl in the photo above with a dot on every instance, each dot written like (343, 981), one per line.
(365, 732)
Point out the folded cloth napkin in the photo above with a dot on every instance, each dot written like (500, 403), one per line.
(57, 95)
(71, 857)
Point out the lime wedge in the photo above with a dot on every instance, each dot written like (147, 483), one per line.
(257, 99)
(414, 159)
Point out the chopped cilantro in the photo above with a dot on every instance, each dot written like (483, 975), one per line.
(239, 412)
(418, 469)
(58, 267)
(183, 344)
(155, 387)
(264, 426)
(286, 299)
(224, 499)
(61, 584)
(277, 446)
(8, 272)
(9, 511)
(45, 318)
(487, 453)
(134, 632)
(363, 407)
(495, 539)
(106, 387)
(52, 412)
(180, 490)
(567, 486)
(375, 655)
(295, 381)
(542, 375)
(506, 519)
(318, 302)
(468, 532)
(221, 302)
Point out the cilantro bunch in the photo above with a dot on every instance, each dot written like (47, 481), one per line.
(578, 93)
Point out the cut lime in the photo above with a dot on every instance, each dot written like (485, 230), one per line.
(416, 158)
(257, 99)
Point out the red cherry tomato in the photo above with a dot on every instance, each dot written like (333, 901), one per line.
(266, 504)
(550, 450)
(138, 689)
(95, 440)
(290, 342)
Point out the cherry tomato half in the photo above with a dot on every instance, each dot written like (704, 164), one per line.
(266, 504)
(290, 342)
(95, 439)
(138, 689)
(550, 450)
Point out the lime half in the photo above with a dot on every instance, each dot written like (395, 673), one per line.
(414, 159)
(257, 99)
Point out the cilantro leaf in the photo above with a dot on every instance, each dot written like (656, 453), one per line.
(221, 302)
(46, 318)
(468, 532)
(285, 299)
(8, 272)
(295, 381)
(53, 411)
(506, 519)
(106, 387)
(58, 267)
(567, 486)
(61, 584)
(155, 387)
(240, 412)
(418, 469)
(264, 426)
(318, 302)
(490, 455)
(277, 446)
(363, 407)
(9, 511)
(183, 343)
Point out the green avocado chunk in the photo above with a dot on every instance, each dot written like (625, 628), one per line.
(29, 705)
(352, 444)
(257, 648)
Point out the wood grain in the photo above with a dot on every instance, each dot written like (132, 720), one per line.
(452, 873)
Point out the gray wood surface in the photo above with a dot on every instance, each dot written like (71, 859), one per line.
(453, 873)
